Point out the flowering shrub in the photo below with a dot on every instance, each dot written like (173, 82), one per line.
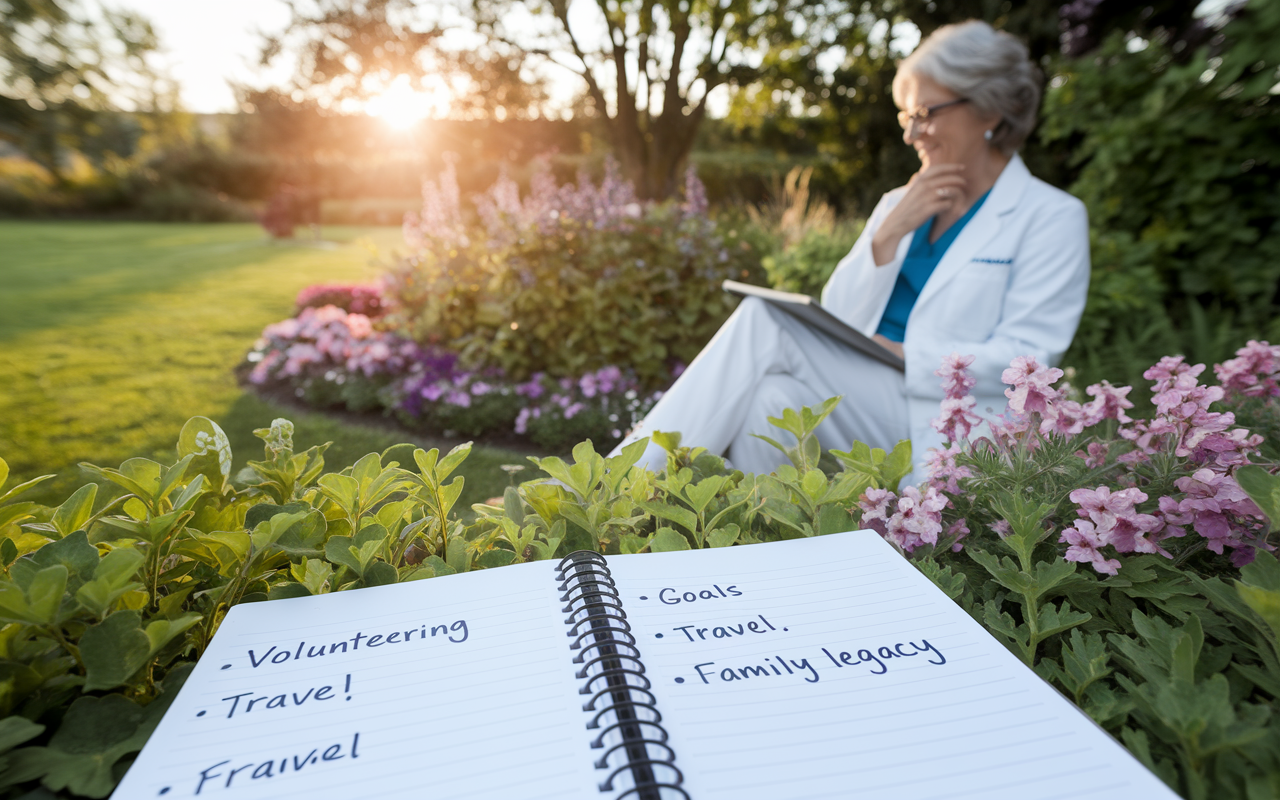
(566, 279)
(354, 298)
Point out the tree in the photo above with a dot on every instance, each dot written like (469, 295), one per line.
(646, 67)
(64, 70)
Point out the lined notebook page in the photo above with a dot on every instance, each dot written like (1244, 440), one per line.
(831, 668)
(454, 687)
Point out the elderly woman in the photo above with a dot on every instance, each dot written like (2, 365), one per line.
(974, 255)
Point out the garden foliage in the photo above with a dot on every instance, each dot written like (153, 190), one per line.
(567, 279)
(1177, 161)
(1127, 561)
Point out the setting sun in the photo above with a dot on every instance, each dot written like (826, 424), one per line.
(401, 106)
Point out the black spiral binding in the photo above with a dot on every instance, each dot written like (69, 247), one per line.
(602, 636)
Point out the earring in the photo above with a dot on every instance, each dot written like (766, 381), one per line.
(988, 135)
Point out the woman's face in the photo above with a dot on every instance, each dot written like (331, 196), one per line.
(952, 135)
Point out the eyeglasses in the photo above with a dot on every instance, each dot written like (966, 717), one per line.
(925, 113)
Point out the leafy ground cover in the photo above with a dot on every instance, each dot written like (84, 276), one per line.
(113, 334)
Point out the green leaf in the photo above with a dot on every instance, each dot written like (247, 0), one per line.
(73, 552)
(1054, 619)
(667, 441)
(338, 550)
(452, 461)
(75, 512)
(342, 490)
(676, 514)
(667, 540)
(113, 650)
(15, 730)
(112, 578)
(438, 566)
(312, 573)
(379, 573)
(724, 537)
(1263, 489)
(96, 732)
(457, 555)
(700, 495)
(209, 449)
(495, 558)
(4, 472)
(629, 543)
(22, 487)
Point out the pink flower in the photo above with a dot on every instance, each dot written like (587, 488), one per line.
(1065, 418)
(1085, 547)
(588, 385)
(1168, 369)
(1109, 403)
(1254, 372)
(957, 419)
(944, 473)
(571, 410)
(1000, 528)
(956, 380)
(1116, 519)
(916, 519)
(359, 325)
(1217, 508)
(1097, 455)
(480, 388)
(959, 529)
(1032, 384)
(876, 505)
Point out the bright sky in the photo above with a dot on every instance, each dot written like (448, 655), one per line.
(207, 43)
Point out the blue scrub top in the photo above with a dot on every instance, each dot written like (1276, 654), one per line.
(922, 258)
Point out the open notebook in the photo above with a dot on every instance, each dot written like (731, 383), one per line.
(812, 668)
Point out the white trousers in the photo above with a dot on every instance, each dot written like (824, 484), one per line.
(760, 362)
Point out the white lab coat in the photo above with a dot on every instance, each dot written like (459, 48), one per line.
(1012, 283)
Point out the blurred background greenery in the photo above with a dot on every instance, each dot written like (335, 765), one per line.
(114, 328)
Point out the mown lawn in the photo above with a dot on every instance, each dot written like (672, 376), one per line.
(113, 334)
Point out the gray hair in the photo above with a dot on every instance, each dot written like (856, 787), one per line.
(991, 68)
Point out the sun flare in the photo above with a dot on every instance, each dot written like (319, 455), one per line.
(401, 106)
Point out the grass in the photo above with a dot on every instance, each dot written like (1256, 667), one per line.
(113, 334)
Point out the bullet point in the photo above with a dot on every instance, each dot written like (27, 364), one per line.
(642, 597)
(786, 629)
(679, 680)
(165, 790)
(201, 714)
(226, 666)
(658, 635)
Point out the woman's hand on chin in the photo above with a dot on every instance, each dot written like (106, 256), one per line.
(930, 191)
(889, 344)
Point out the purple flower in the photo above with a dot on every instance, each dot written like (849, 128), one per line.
(458, 398)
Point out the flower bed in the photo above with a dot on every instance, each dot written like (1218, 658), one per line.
(328, 357)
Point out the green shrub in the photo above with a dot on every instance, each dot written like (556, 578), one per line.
(1178, 162)
(806, 265)
(567, 280)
